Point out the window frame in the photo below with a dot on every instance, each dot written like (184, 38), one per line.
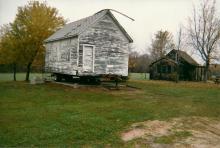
(93, 55)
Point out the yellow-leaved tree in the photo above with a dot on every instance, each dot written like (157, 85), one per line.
(10, 51)
(34, 22)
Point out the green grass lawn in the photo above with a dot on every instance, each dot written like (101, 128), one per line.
(56, 115)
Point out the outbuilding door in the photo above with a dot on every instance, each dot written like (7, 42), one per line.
(88, 58)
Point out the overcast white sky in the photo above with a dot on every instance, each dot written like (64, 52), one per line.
(150, 15)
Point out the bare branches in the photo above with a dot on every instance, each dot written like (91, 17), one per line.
(179, 40)
(161, 44)
(204, 31)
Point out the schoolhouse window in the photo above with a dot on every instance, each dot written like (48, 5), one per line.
(65, 55)
(158, 69)
(164, 69)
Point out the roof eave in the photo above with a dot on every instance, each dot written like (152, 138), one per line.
(162, 59)
(120, 27)
(62, 38)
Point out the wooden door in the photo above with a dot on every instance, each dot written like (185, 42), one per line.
(88, 58)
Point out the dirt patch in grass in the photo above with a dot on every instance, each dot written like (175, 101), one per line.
(192, 132)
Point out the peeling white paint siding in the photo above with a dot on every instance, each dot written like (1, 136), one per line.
(111, 47)
(61, 56)
(107, 44)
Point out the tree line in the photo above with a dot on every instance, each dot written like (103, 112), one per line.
(21, 41)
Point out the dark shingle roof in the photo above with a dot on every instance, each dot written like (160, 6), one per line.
(186, 57)
(182, 54)
(77, 27)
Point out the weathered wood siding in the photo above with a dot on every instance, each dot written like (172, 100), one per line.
(61, 56)
(111, 47)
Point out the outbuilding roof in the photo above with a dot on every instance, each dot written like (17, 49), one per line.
(181, 54)
(185, 56)
(77, 27)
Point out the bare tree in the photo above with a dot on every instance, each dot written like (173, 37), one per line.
(133, 56)
(179, 39)
(178, 47)
(204, 32)
(162, 42)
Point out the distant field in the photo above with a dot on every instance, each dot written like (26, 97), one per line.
(21, 76)
(139, 76)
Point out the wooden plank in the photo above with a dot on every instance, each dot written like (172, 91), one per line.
(111, 47)
(61, 56)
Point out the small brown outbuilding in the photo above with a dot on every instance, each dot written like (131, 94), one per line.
(166, 68)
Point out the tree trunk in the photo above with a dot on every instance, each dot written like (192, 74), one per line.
(206, 71)
(14, 71)
(177, 73)
(177, 68)
(28, 71)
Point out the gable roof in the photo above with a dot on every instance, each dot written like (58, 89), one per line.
(185, 56)
(163, 58)
(182, 54)
(77, 27)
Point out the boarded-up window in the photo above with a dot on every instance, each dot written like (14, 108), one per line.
(163, 69)
(80, 64)
(158, 69)
(47, 54)
(53, 52)
(64, 50)
(169, 70)
(65, 55)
